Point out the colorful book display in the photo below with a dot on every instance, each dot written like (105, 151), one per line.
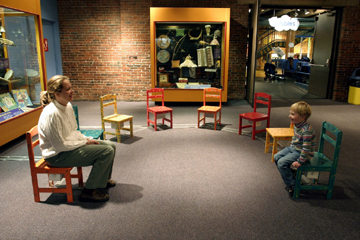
(22, 98)
(7, 103)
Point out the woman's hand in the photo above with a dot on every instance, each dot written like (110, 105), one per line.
(91, 141)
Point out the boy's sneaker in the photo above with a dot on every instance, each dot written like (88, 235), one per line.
(290, 190)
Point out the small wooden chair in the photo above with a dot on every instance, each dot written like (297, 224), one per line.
(210, 95)
(321, 163)
(41, 167)
(254, 116)
(116, 120)
(94, 133)
(277, 134)
(157, 111)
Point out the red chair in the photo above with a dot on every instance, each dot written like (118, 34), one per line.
(41, 167)
(158, 111)
(254, 116)
(211, 111)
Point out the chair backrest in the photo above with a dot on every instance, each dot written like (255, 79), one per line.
(75, 108)
(31, 145)
(212, 93)
(334, 140)
(154, 93)
(112, 100)
(262, 98)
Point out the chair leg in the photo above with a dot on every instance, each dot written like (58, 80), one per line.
(240, 125)
(297, 184)
(198, 120)
(253, 130)
(215, 121)
(267, 142)
(69, 192)
(35, 187)
(118, 136)
(131, 128)
(80, 176)
(274, 151)
(155, 121)
(147, 118)
(171, 120)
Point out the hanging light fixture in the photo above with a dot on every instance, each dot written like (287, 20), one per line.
(307, 11)
(2, 29)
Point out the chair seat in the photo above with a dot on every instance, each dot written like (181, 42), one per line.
(280, 132)
(117, 118)
(277, 134)
(209, 109)
(95, 134)
(159, 109)
(254, 115)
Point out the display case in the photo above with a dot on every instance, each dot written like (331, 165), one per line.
(189, 51)
(21, 67)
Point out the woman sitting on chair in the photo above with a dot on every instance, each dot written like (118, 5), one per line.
(62, 145)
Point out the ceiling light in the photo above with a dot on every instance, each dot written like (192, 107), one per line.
(307, 11)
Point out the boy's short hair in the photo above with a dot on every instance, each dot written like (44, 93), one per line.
(301, 108)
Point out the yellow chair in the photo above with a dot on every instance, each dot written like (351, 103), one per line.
(277, 134)
(210, 111)
(116, 120)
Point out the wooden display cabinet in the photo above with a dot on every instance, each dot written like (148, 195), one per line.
(189, 51)
(25, 59)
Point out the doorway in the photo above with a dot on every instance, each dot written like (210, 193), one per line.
(299, 59)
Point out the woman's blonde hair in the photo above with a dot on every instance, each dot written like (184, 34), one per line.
(55, 84)
(302, 108)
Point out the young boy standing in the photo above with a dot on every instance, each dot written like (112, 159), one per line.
(302, 146)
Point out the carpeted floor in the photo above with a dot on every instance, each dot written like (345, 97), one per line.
(190, 183)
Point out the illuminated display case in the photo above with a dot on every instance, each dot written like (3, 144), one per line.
(21, 67)
(189, 51)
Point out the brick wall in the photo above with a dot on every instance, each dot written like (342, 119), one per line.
(99, 39)
(349, 52)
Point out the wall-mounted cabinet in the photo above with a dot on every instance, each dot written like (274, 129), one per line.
(21, 67)
(189, 51)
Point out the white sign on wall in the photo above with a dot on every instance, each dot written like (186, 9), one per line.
(285, 23)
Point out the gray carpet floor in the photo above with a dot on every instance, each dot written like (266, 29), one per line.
(190, 183)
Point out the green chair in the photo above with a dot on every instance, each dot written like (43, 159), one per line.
(94, 133)
(321, 163)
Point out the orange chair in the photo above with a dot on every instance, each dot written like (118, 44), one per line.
(211, 111)
(254, 116)
(158, 111)
(41, 167)
(277, 134)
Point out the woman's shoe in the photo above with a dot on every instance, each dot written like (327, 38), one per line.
(95, 196)
(110, 183)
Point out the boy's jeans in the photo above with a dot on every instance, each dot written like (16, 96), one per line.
(283, 161)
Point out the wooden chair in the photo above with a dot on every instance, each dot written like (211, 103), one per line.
(116, 120)
(157, 111)
(277, 134)
(94, 133)
(254, 116)
(320, 162)
(210, 95)
(41, 167)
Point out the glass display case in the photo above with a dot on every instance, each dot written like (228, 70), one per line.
(189, 51)
(21, 67)
(189, 55)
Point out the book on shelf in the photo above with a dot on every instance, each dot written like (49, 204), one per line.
(10, 114)
(22, 98)
(7, 103)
